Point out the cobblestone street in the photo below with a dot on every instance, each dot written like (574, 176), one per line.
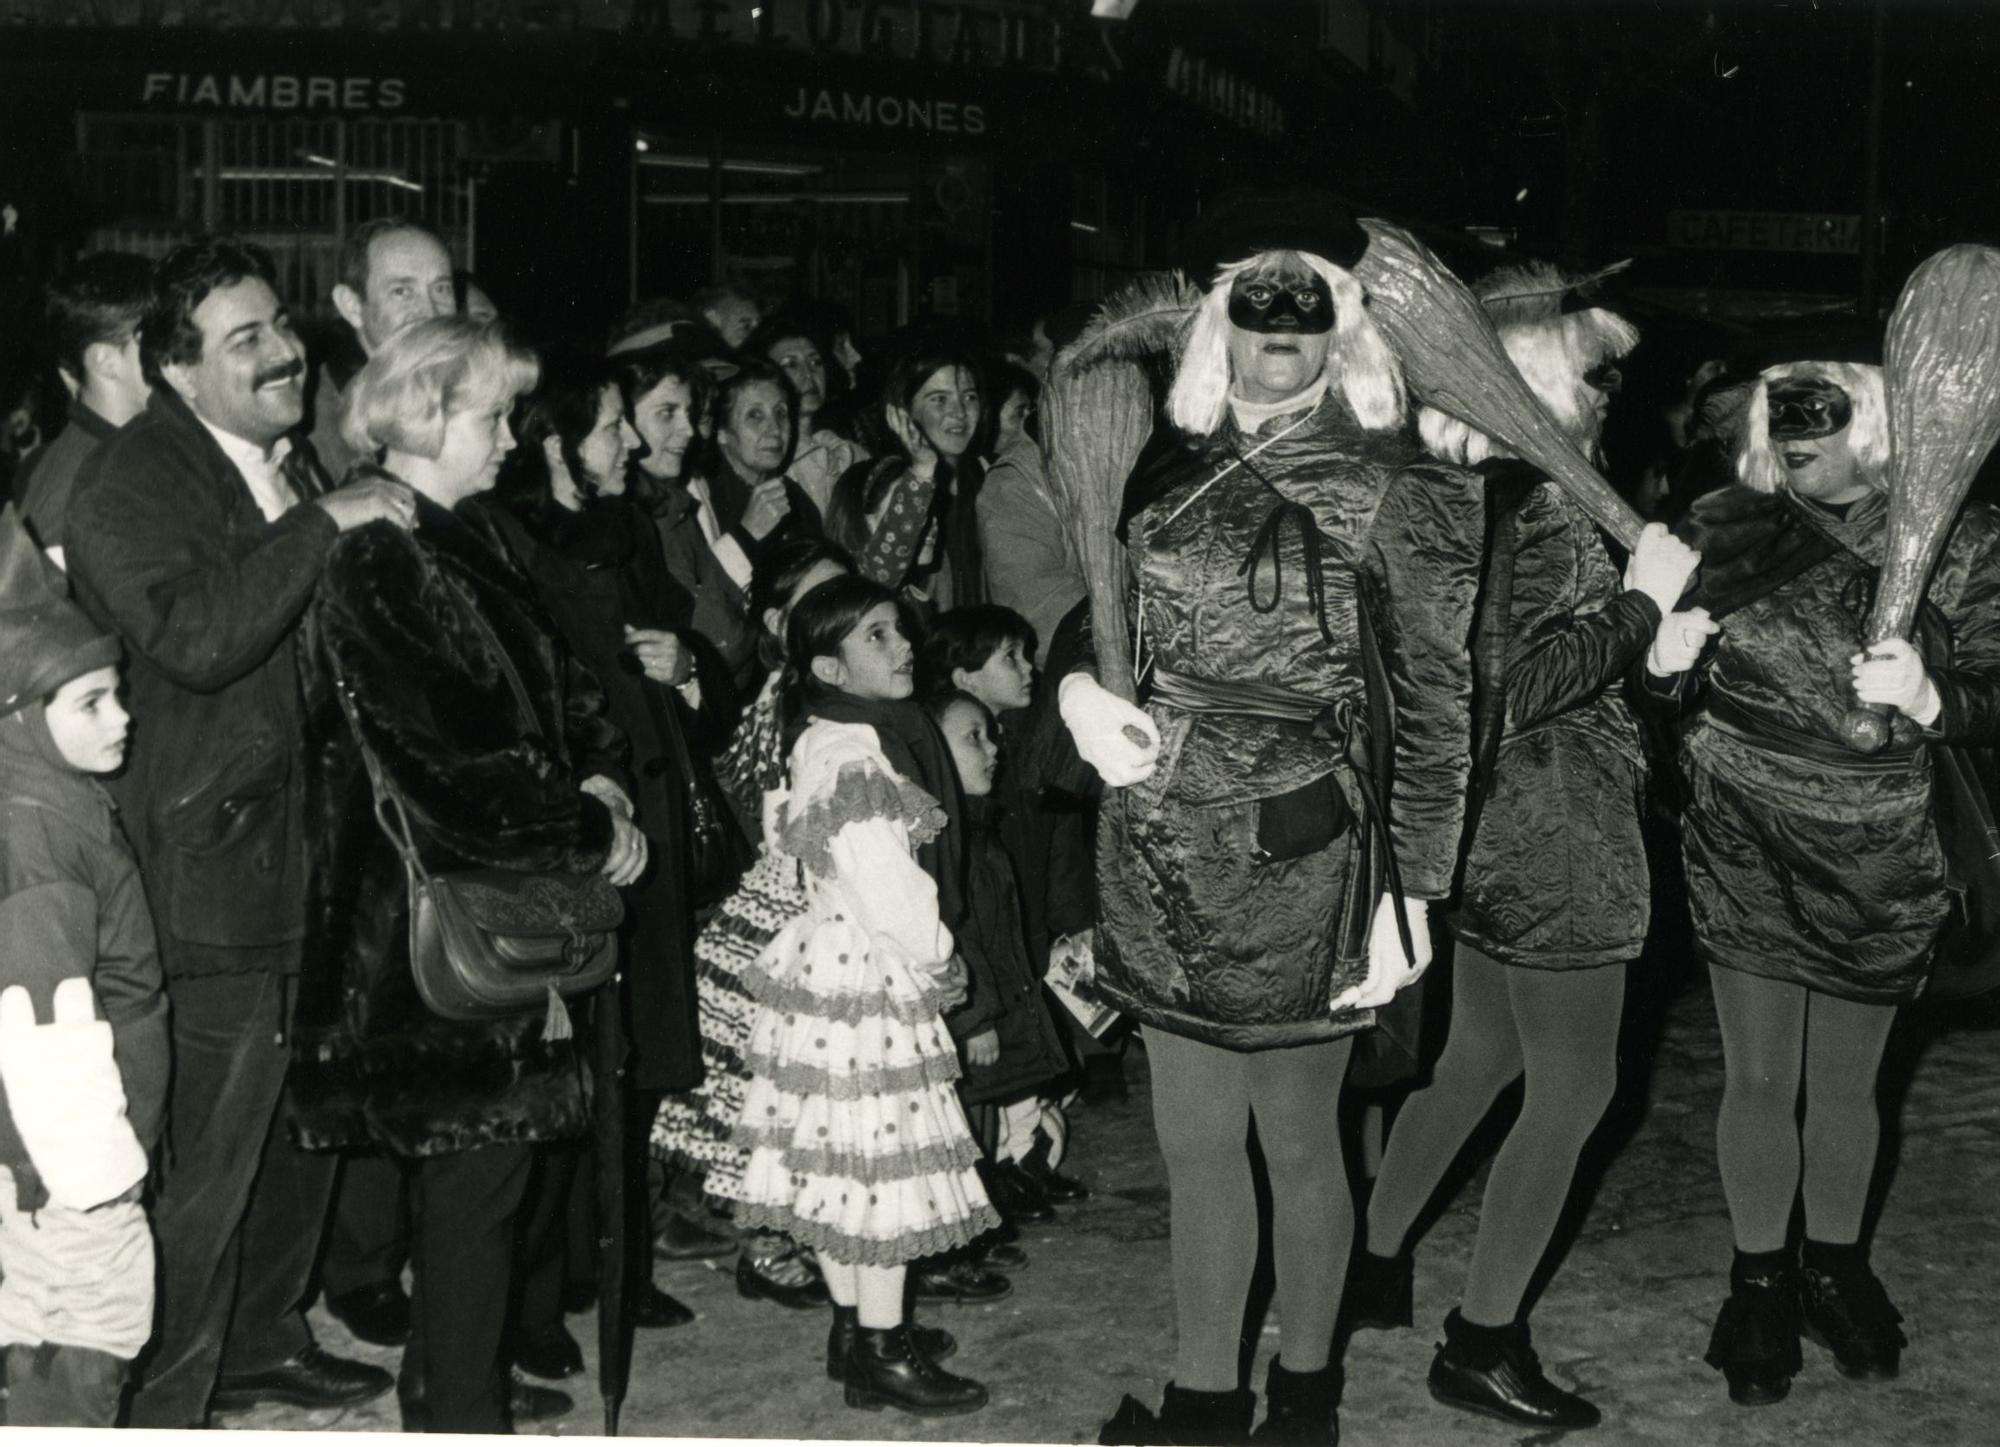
(1624, 1319)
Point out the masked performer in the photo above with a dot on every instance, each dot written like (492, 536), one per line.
(1554, 898)
(1814, 873)
(1304, 587)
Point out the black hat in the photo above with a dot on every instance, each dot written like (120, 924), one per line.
(1242, 224)
(45, 639)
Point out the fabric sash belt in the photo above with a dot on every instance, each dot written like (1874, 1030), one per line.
(1341, 722)
(1736, 723)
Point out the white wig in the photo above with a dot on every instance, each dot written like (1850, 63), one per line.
(1358, 359)
(1760, 465)
(1552, 350)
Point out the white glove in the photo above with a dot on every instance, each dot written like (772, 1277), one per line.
(1892, 672)
(67, 1098)
(1678, 641)
(1114, 737)
(1389, 969)
(1660, 566)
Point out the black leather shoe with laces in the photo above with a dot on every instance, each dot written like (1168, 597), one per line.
(314, 1378)
(1847, 1311)
(959, 1281)
(1380, 1291)
(1493, 1370)
(933, 1341)
(1301, 1406)
(885, 1369)
(1755, 1344)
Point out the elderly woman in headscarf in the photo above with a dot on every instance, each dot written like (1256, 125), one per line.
(1303, 584)
(1555, 890)
(1815, 874)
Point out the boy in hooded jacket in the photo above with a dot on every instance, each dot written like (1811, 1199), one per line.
(83, 1015)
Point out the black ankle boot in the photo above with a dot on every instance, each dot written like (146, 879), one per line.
(1493, 1370)
(1379, 1292)
(933, 1341)
(1755, 1344)
(885, 1369)
(1301, 1406)
(1847, 1312)
(1185, 1419)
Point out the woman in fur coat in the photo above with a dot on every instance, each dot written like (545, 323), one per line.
(1554, 895)
(498, 741)
(1304, 581)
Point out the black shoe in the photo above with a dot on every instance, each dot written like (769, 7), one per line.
(933, 1341)
(680, 1239)
(1379, 1292)
(378, 1314)
(999, 1256)
(1014, 1193)
(959, 1281)
(1053, 1184)
(1755, 1344)
(551, 1355)
(314, 1379)
(527, 1402)
(1493, 1370)
(753, 1282)
(1301, 1406)
(1847, 1312)
(654, 1310)
(885, 1369)
(1196, 1419)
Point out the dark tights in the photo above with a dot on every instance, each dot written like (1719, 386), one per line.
(1204, 1099)
(1560, 1028)
(1775, 1036)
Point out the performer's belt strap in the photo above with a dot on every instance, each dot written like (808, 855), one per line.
(1730, 719)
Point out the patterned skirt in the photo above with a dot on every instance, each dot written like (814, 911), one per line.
(693, 1128)
(857, 1144)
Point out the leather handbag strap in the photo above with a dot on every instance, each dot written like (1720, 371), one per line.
(390, 811)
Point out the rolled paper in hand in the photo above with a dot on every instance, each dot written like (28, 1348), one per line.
(1941, 375)
(1453, 360)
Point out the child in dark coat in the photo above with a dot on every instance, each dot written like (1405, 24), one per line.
(83, 1015)
(986, 653)
(1007, 1039)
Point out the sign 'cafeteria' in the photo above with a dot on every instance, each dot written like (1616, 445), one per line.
(1764, 231)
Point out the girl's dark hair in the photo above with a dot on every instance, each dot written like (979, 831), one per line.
(564, 407)
(640, 372)
(781, 569)
(965, 638)
(915, 364)
(820, 623)
(938, 700)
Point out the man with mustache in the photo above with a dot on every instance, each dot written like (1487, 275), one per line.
(199, 532)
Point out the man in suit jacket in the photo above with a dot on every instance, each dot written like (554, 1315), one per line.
(198, 532)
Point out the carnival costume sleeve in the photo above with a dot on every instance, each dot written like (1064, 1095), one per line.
(1967, 591)
(1425, 549)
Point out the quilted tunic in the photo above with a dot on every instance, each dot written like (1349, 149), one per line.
(1202, 935)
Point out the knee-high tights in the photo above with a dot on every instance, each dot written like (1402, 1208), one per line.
(1560, 1029)
(1775, 1037)
(1204, 1099)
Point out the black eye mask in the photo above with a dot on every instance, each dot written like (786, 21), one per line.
(1287, 305)
(1803, 407)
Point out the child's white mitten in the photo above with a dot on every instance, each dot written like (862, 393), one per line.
(67, 1097)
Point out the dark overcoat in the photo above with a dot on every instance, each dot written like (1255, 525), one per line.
(596, 571)
(408, 621)
(1807, 862)
(1202, 934)
(1555, 871)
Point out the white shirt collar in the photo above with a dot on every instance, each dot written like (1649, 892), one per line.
(269, 488)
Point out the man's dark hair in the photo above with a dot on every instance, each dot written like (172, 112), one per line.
(966, 637)
(354, 247)
(100, 299)
(181, 282)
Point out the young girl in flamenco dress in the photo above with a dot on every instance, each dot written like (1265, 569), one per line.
(857, 1144)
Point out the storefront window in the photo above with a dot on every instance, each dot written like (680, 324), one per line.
(887, 236)
(293, 185)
